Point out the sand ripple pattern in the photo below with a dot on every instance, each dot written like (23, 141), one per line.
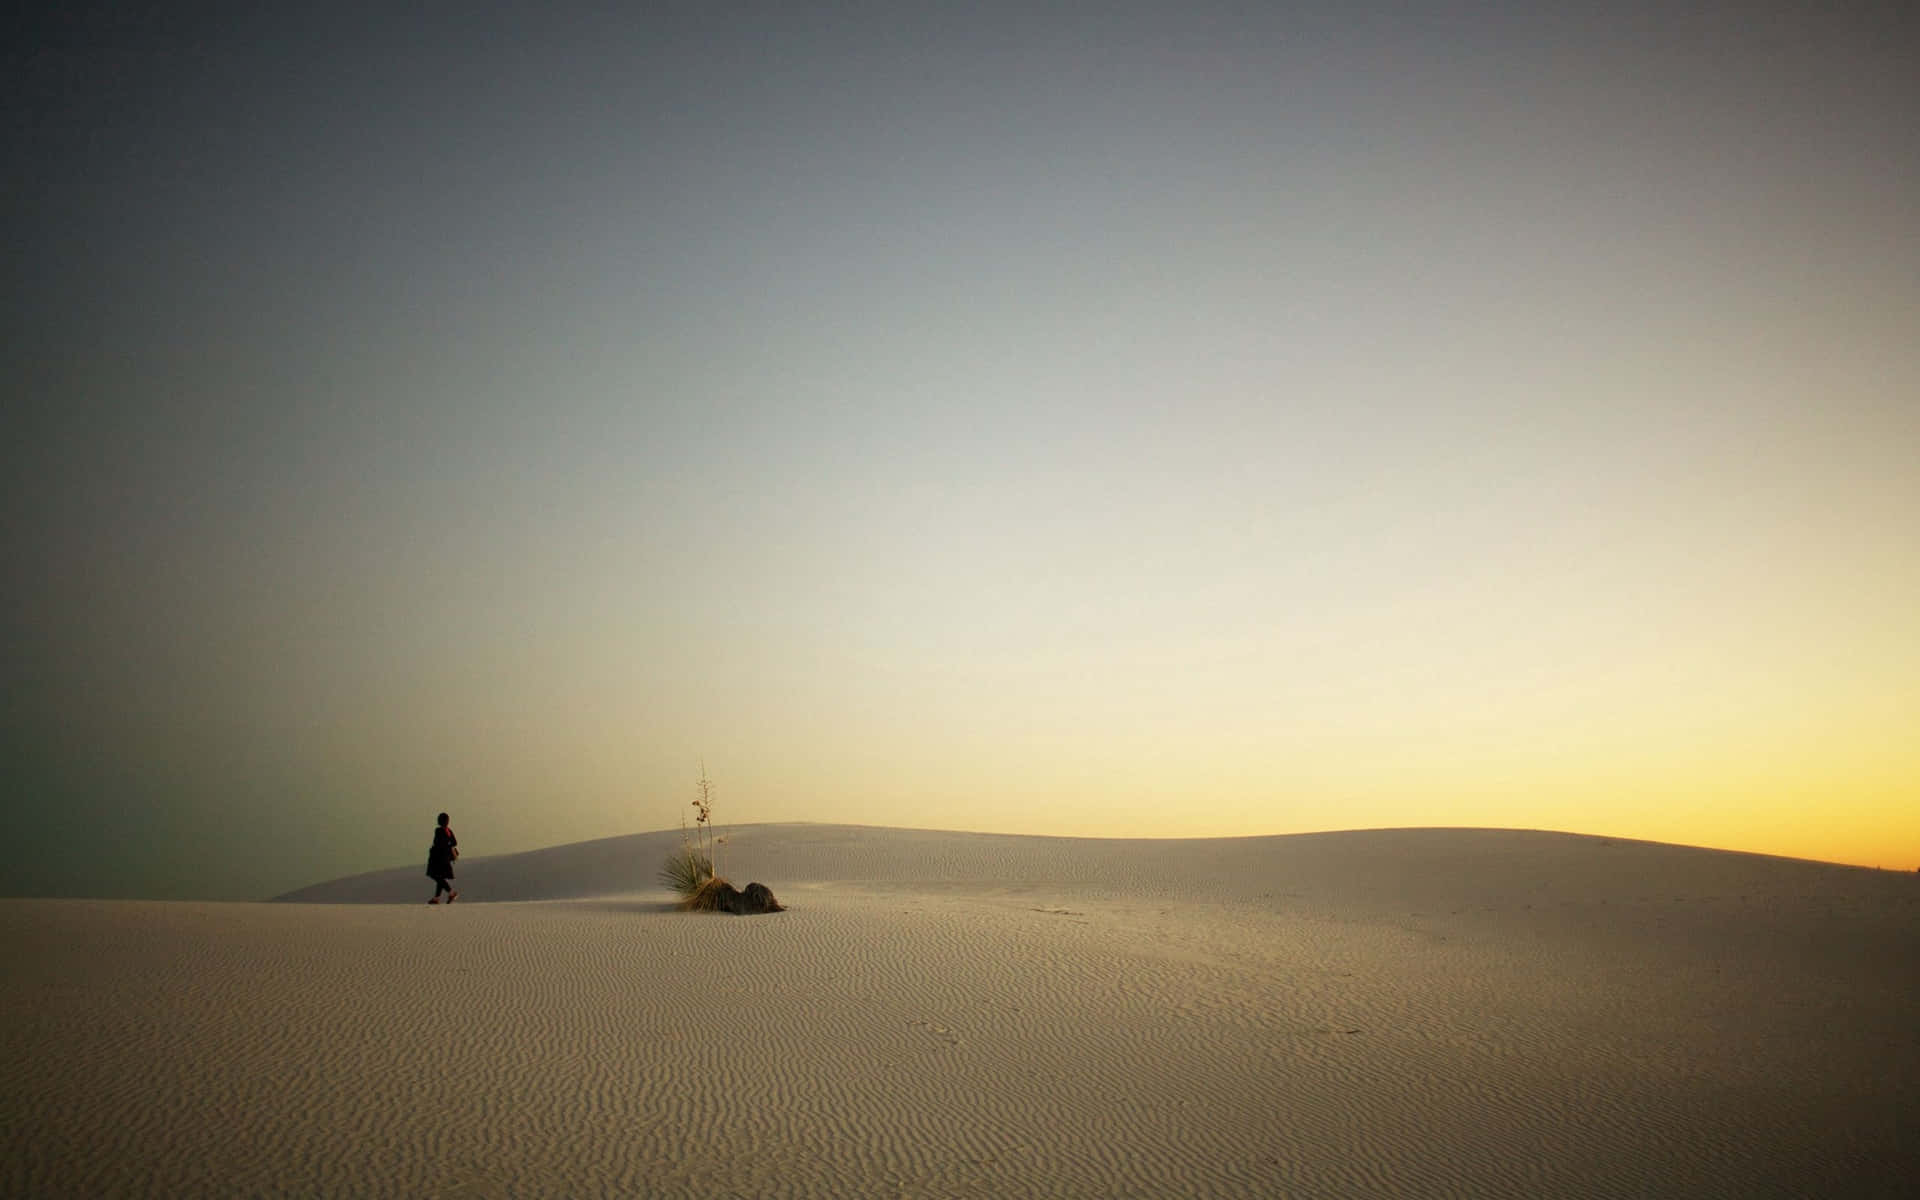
(982, 1036)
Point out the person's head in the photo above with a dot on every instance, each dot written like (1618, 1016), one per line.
(443, 820)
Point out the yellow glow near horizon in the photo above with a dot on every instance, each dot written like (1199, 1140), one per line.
(1550, 698)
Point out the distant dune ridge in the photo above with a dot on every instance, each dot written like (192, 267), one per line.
(1396, 1012)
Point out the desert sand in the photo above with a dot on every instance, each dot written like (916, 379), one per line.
(1382, 1013)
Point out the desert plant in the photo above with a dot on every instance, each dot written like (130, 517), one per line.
(707, 836)
(689, 869)
(690, 872)
(708, 897)
(686, 870)
(703, 820)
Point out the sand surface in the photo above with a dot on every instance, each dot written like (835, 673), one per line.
(1389, 1013)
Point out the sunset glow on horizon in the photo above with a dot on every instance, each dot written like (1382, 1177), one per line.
(1163, 421)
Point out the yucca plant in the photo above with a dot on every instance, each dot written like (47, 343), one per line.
(686, 869)
(703, 820)
(706, 897)
(689, 870)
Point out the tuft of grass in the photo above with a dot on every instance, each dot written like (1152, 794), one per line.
(706, 897)
(687, 870)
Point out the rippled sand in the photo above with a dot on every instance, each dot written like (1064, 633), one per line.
(1419, 1013)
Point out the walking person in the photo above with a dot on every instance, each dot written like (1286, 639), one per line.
(446, 848)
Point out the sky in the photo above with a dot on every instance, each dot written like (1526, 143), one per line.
(1099, 419)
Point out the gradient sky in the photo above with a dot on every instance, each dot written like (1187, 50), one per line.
(1173, 419)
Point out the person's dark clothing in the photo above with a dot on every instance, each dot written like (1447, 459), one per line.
(440, 858)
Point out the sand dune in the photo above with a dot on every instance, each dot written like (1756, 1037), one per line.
(1407, 1012)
